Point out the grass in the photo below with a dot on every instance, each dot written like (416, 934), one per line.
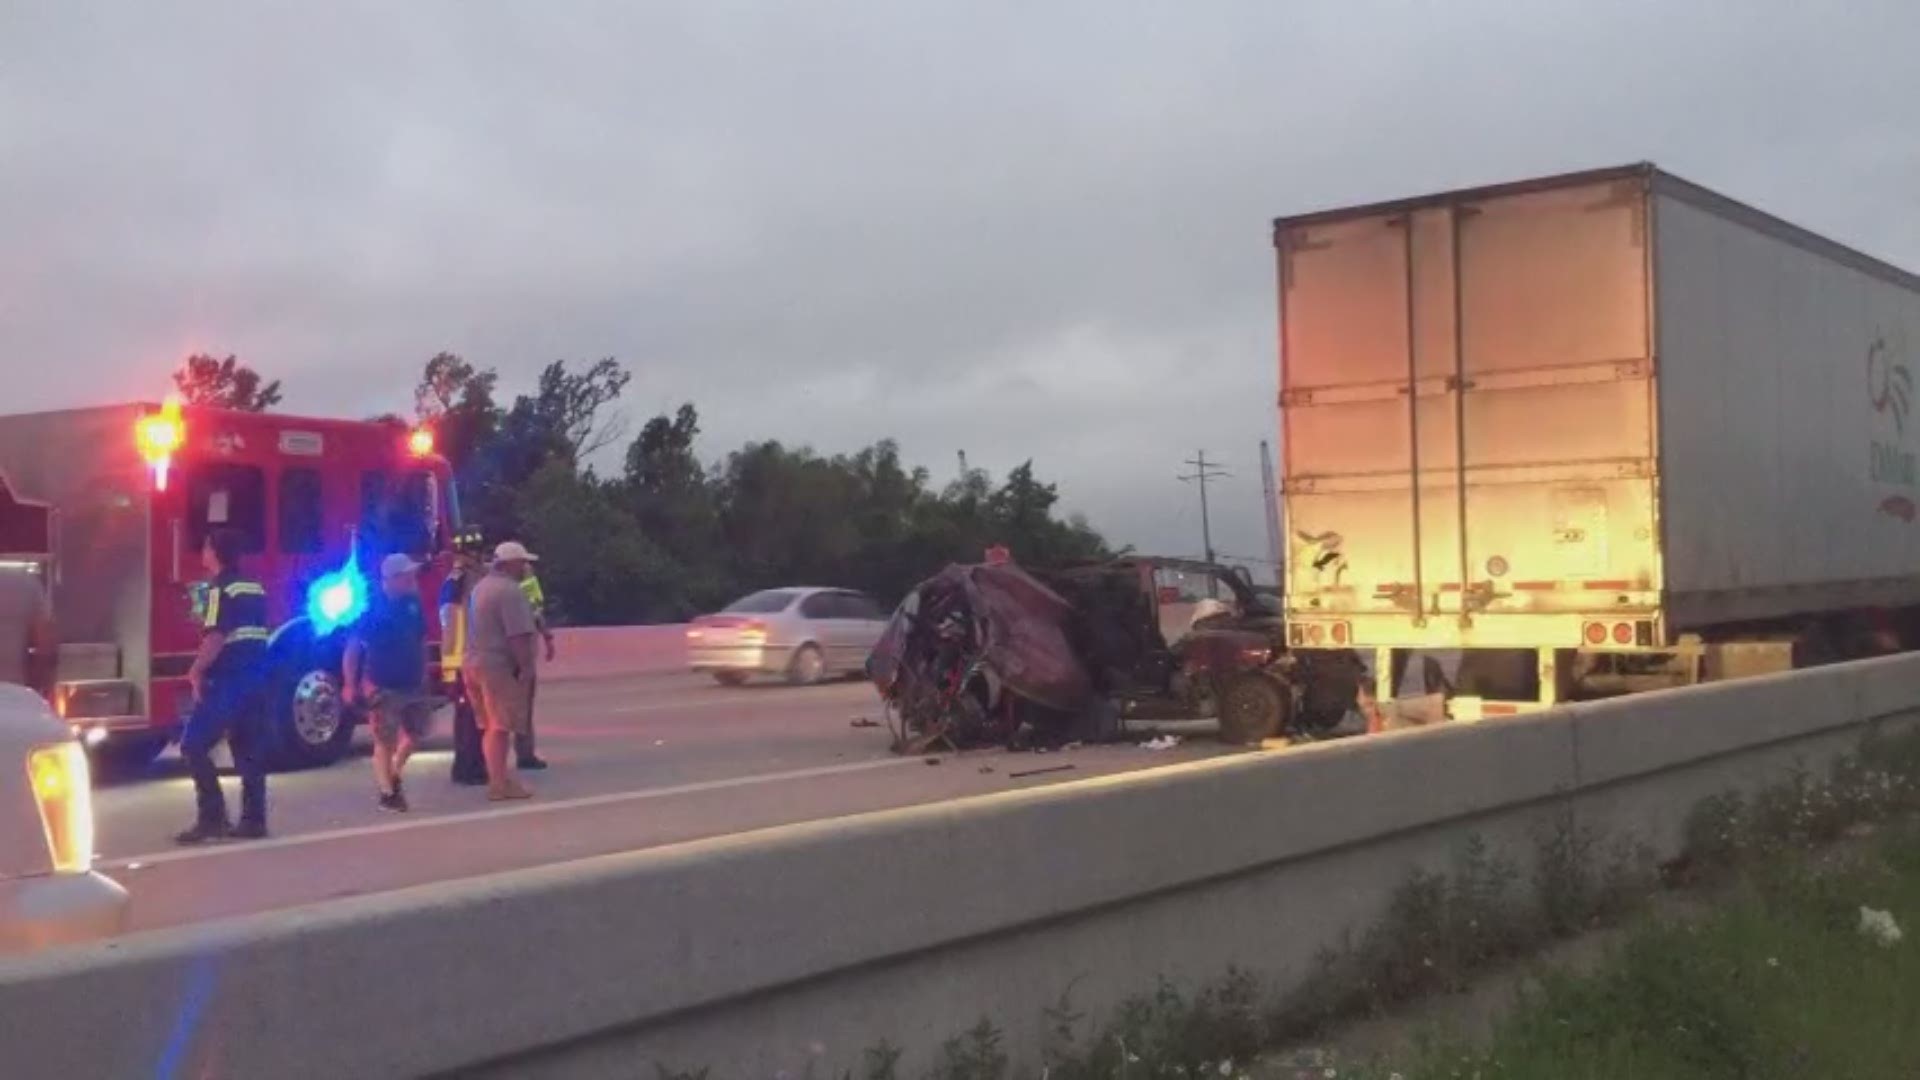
(1778, 982)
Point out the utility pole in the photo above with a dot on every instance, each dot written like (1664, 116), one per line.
(1203, 472)
(1276, 550)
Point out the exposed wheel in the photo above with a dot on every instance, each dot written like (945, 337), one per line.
(1252, 707)
(311, 719)
(127, 756)
(807, 666)
(731, 678)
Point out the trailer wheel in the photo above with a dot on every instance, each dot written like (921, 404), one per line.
(1253, 707)
(311, 719)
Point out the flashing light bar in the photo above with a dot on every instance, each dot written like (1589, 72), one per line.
(159, 435)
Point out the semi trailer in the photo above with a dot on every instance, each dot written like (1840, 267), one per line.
(1599, 433)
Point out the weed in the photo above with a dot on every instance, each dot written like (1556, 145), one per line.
(975, 1055)
(882, 1061)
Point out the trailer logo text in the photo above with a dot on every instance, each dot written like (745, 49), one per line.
(1890, 392)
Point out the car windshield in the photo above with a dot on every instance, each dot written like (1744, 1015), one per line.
(762, 603)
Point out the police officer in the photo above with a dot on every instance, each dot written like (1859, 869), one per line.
(228, 678)
(468, 765)
(523, 744)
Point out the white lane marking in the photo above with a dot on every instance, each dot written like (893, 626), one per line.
(141, 861)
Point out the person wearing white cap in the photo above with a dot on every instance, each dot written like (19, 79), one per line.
(386, 670)
(497, 666)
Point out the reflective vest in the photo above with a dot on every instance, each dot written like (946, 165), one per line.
(237, 610)
(530, 586)
(453, 628)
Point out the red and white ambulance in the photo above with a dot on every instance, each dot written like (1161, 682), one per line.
(121, 498)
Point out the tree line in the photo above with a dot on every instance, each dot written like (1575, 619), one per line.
(669, 535)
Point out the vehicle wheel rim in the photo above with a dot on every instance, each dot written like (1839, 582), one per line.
(1246, 707)
(810, 665)
(316, 708)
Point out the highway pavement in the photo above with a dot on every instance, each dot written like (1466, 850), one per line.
(637, 762)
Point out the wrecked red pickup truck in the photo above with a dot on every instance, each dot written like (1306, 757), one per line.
(999, 655)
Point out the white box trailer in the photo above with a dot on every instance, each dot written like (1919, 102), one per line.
(1610, 425)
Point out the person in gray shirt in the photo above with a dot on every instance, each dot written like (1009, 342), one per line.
(497, 665)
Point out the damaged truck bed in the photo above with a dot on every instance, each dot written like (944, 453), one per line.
(993, 654)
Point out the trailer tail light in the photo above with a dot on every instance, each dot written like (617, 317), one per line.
(1596, 633)
(63, 791)
(159, 436)
(1314, 635)
(1623, 634)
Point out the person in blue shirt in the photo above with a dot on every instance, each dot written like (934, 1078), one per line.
(386, 671)
(228, 681)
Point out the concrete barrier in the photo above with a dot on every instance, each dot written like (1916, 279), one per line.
(769, 951)
(598, 652)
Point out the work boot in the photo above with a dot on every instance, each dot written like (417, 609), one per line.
(249, 830)
(203, 831)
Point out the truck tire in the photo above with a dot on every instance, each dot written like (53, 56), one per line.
(311, 723)
(1253, 707)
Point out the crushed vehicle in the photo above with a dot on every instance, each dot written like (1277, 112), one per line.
(997, 654)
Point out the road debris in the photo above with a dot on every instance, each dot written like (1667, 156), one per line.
(931, 761)
(1039, 772)
(1163, 742)
(864, 722)
(1879, 926)
(986, 768)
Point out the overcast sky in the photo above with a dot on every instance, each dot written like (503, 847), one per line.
(1015, 229)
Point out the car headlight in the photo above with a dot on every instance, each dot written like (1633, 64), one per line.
(63, 789)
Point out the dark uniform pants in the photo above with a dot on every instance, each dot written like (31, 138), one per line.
(234, 708)
(469, 764)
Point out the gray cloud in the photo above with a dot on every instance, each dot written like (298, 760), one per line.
(1019, 230)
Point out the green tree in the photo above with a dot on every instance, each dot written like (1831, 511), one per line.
(575, 404)
(596, 565)
(669, 494)
(456, 400)
(224, 384)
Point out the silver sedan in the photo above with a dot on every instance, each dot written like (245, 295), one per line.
(802, 634)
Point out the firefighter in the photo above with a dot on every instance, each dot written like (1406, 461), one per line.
(228, 680)
(469, 766)
(537, 597)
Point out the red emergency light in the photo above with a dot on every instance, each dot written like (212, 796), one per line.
(160, 435)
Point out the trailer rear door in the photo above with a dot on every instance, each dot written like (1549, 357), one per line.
(1467, 415)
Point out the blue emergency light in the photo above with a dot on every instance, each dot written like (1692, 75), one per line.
(337, 598)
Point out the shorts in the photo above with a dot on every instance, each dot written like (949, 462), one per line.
(501, 701)
(392, 711)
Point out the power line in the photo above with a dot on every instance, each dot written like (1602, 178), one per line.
(1204, 472)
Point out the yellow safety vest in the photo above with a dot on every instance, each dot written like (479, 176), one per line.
(530, 586)
(453, 642)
